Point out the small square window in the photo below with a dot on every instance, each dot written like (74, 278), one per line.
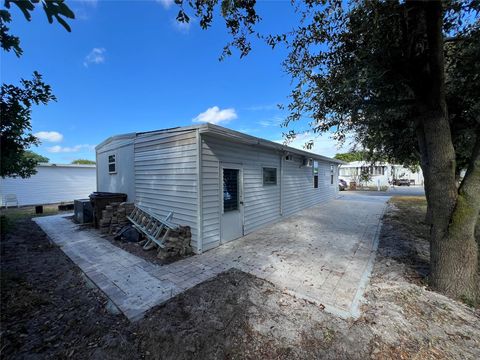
(269, 176)
(112, 167)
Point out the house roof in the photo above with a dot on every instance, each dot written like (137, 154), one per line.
(67, 165)
(220, 131)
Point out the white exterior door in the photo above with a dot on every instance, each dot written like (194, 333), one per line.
(231, 202)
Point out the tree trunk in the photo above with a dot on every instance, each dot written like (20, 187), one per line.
(424, 166)
(456, 271)
(454, 211)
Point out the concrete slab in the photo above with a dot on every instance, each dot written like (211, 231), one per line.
(323, 254)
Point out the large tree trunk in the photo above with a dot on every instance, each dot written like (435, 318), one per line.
(424, 166)
(463, 278)
(454, 211)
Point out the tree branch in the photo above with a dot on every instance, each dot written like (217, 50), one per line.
(454, 39)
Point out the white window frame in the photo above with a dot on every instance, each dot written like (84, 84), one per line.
(263, 176)
(114, 162)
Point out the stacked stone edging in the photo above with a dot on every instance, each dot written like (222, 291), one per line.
(114, 217)
(177, 243)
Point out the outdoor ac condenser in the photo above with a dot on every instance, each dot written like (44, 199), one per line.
(83, 211)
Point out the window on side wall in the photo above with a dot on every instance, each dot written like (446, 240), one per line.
(331, 174)
(315, 174)
(112, 164)
(269, 176)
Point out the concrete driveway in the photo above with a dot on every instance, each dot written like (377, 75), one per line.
(323, 254)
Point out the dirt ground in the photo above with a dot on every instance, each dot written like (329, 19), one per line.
(48, 311)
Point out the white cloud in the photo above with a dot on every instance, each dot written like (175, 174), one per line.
(96, 56)
(166, 3)
(275, 121)
(214, 115)
(50, 136)
(69, 149)
(322, 144)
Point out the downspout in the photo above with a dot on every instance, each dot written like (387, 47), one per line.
(199, 193)
(96, 167)
(281, 184)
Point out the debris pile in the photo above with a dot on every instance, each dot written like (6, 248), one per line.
(177, 243)
(114, 217)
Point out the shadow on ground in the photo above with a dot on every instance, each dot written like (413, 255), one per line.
(404, 236)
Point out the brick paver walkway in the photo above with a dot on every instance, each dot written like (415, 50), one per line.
(323, 254)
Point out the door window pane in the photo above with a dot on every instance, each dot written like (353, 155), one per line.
(230, 189)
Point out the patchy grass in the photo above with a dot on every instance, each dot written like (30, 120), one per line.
(369, 188)
(26, 212)
(410, 216)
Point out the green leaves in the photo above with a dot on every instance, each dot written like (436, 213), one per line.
(57, 9)
(54, 9)
(182, 17)
(28, 154)
(25, 7)
(15, 127)
(7, 41)
(83, 162)
(17, 101)
(239, 15)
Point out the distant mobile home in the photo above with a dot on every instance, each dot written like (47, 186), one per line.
(222, 183)
(53, 183)
(381, 173)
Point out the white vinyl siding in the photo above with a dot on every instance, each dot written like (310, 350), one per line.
(298, 190)
(261, 203)
(166, 176)
(52, 184)
(123, 180)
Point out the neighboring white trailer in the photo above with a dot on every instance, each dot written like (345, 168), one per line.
(380, 173)
(222, 183)
(53, 183)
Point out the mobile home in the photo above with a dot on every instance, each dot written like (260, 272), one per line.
(53, 183)
(380, 173)
(222, 183)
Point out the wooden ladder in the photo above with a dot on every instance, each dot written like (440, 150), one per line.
(151, 226)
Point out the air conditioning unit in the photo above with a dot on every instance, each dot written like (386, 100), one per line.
(307, 162)
(83, 211)
(289, 158)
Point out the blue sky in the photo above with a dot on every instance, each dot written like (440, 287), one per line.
(128, 66)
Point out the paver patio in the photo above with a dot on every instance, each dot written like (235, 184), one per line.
(323, 254)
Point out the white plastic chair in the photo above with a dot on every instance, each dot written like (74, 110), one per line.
(10, 199)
